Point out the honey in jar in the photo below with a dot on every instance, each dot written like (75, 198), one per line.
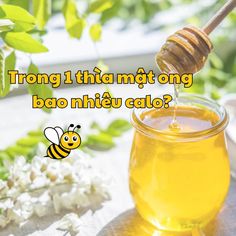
(179, 177)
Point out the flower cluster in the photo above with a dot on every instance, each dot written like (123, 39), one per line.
(70, 223)
(43, 185)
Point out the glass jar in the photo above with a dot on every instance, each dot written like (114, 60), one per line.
(179, 180)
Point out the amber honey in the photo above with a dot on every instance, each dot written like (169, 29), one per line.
(179, 178)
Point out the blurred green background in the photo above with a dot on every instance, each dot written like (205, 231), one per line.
(217, 78)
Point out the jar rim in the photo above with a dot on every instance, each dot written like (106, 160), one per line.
(209, 104)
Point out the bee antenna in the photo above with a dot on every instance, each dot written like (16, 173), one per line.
(77, 127)
(71, 126)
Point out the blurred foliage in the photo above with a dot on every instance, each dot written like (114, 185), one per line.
(42, 90)
(25, 146)
(102, 139)
(218, 77)
(23, 23)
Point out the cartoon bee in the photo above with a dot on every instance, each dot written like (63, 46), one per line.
(62, 142)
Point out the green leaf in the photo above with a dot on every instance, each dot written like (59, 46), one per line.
(198, 85)
(18, 150)
(111, 12)
(118, 126)
(26, 146)
(4, 156)
(215, 94)
(96, 126)
(23, 42)
(6, 25)
(99, 142)
(36, 133)
(22, 3)
(20, 19)
(113, 132)
(10, 62)
(38, 33)
(42, 12)
(29, 141)
(15, 13)
(23, 26)
(57, 6)
(231, 85)
(215, 61)
(194, 20)
(230, 61)
(95, 32)
(99, 6)
(218, 77)
(42, 90)
(74, 24)
(3, 173)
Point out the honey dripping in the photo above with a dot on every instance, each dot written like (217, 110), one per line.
(174, 125)
(186, 51)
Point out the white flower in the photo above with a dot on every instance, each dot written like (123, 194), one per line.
(67, 201)
(67, 172)
(6, 204)
(22, 180)
(70, 223)
(84, 181)
(23, 208)
(24, 197)
(41, 210)
(20, 161)
(39, 164)
(7, 164)
(26, 210)
(100, 186)
(44, 198)
(56, 203)
(66, 168)
(3, 187)
(39, 182)
(15, 214)
(41, 150)
(46, 185)
(19, 167)
(13, 192)
(82, 200)
(42, 204)
(3, 221)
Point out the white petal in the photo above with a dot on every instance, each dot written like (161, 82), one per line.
(57, 203)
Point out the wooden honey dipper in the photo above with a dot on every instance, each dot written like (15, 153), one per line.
(187, 50)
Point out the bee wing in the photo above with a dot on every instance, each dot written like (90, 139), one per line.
(59, 131)
(52, 135)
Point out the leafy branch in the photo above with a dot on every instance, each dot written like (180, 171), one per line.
(22, 30)
(102, 139)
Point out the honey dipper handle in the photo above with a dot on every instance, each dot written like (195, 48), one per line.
(219, 16)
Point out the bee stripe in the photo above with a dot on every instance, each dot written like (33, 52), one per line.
(54, 153)
(61, 151)
(50, 152)
(57, 150)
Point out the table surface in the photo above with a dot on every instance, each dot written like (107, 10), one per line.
(118, 216)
